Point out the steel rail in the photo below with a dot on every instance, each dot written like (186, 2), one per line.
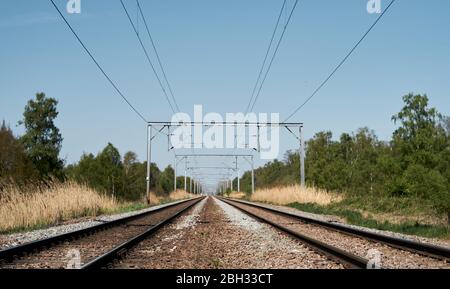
(119, 251)
(39, 245)
(349, 260)
(434, 251)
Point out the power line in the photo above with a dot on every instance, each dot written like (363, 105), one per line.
(98, 65)
(341, 63)
(267, 55)
(157, 55)
(148, 57)
(274, 54)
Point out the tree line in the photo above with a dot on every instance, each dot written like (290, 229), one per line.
(34, 158)
(414, 163)
(123, 178)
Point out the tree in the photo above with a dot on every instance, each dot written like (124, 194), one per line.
(87, 171)
(129, 160)
(133, 177)
(419, 146)
(419, 137)
(110, 161)
(166, 180)
(14, 163)
(42, 140)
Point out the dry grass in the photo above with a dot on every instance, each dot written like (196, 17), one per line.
(36, 207)
(295, 194)
(237, 195)
(180, 195)
(174, 196)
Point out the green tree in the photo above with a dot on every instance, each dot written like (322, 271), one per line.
(419, 145)
(112, 169)
(87, 171)
(166, 180)
(134, 174)
(15, 165)
(42, 139)
(419, 137)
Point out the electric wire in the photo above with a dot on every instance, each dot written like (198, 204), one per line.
(98, 65)
(340, 63)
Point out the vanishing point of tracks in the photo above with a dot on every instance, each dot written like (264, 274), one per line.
(95, 245)
(102, 245)
(355, 248)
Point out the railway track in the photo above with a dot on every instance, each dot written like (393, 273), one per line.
(102, 245)
(353, 247)
(95, 245)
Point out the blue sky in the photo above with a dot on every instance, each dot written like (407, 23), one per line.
(212, 51)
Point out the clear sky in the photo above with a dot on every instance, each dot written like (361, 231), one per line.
(212, 51)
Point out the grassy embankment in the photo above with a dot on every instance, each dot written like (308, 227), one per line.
(36, 208)
(404, 215)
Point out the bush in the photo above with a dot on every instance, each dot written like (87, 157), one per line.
(424, 183)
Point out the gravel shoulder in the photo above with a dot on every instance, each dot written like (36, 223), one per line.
(387, 256)
(16, 239)
(335, 219)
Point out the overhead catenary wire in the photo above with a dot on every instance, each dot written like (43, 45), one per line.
(157, 54)
(98, 64)
(322, 84)
(148, 57)
(274, 55)
(116, 88)
(266, 56)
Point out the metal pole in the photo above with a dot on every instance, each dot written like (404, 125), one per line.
(239, 182)
(231, 182)
(302, 158)
(149, 160)
(175, 175)
(190, 183)
(253, 176)
(259, 141)
(237, 176)
(185, 175)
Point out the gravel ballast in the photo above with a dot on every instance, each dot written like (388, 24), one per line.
(334, 219)
(389, 257)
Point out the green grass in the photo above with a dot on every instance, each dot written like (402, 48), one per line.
(347, 210)
(127, 208)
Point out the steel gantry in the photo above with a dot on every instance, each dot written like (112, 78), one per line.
(249, 158)
(160, 128)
